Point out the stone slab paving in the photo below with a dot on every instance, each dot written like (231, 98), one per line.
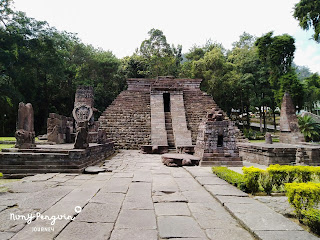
(140, 200)
(262, 221)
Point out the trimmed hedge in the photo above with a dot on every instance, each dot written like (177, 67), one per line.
(311, 218)
(232, 177)
(276, 176)
(252, 177)
(303, 196)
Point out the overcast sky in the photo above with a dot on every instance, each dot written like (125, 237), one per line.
(121, 25)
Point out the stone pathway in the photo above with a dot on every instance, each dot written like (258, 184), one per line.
(140, 200)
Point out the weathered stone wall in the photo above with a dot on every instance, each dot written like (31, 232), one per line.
(197, 104)
(127, 121)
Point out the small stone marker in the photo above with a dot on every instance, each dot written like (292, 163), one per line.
(25, 134)
(268, 138)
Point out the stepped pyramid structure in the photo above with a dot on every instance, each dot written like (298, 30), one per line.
(158, 112)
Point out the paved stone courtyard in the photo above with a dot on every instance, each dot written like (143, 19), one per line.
(141, 199)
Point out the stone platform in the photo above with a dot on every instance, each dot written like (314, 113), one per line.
(280, 153)
(58, 158)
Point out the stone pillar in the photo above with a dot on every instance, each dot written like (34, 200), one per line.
(289, 128)
(25, 134)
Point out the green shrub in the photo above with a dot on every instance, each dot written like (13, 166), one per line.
(311, 218)
(266, 182)
(230, 176)
(278, 174)
(1, 175)
(303, 196)
(252, 178)
(304, 173)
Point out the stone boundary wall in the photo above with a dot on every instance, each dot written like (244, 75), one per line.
(283, 154)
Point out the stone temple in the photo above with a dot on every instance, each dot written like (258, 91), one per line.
(156, 115)
(157, 112)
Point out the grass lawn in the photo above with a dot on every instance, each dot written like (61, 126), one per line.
(14, 139)
(2, 146)
(263, 140)
(7, 139)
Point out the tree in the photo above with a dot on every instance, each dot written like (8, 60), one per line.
(309, 128)
(40, 65)
(277, 54)
(307, 12)
(158, 56)
(312, 91)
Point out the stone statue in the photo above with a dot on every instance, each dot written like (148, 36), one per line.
(82, 136)
(25, 134)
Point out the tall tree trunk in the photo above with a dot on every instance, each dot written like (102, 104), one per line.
(274, 120)
(260, 116)
(264, 121)
(248, 117)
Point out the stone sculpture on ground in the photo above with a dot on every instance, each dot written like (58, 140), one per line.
(216, 142)
(178, 160)
(59, 128)
(25, 134)
(289, 128)
(82, 135)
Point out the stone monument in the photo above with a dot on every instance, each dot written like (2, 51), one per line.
(83, 105)
(82, 141)
(268, 138)
(83, 111)
(25, 134)
(289, 128)
(216, 142)
(59, 128)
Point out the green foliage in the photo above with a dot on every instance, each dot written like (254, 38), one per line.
(155, 57)
(232, 177)
(1, 175)
(252, 177)
(311, 218)
(309, 128)
(312, 91)
(266, 182)
(303, 196)
(290, 83)
(307, 12)
(43, 66)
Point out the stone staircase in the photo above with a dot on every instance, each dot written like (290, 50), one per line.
(158, 124)
(169, 130)
(182, 135)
